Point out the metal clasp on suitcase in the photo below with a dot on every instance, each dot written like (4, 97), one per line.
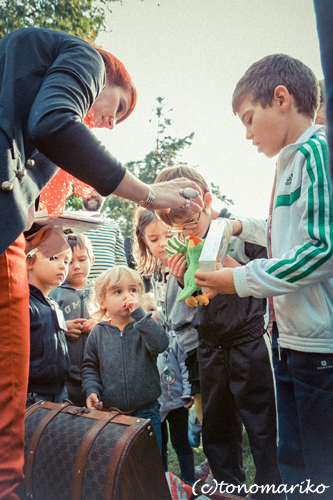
(77, 411)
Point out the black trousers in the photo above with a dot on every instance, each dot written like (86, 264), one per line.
(237, 388)
(178, 425)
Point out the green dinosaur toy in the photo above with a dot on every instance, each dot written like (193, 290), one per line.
(192, 250)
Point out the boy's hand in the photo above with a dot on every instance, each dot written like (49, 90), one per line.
(221, 281)
(91, 400)
(88, 326)
(228, 262)
(131, 302)
(177, 266)
(75, 327)
(237, 227)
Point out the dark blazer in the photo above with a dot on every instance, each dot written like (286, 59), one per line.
(48, 82)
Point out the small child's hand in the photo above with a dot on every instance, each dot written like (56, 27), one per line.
(88, 326)
(92, 399)
(177, 266)
(75, 327)
(132, 302)
(188, 402)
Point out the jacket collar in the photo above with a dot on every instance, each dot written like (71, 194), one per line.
(37, 293)
(288, 151)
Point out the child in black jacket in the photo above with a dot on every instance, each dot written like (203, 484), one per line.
(49, 359)
(235, 371)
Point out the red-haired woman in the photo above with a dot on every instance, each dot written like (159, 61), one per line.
(49, 81)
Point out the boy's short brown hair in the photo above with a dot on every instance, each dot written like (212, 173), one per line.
(322, 90)
(261, 79)
(83, 242)
(171, 173)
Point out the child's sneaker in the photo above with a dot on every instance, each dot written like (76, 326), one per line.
(210, 480)
(202, 471)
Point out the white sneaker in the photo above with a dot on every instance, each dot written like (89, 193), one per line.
(202, 471)
(210, 480)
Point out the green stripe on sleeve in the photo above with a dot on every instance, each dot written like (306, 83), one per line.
(287, 200)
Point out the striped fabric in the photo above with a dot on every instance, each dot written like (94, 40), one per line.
(108, 246)
(315, 191)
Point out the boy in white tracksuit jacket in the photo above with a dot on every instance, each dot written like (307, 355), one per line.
(276, 100)
(301, 248)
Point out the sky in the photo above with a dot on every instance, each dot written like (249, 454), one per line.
(192, 53)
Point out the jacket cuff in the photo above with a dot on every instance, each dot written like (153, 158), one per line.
(91, 391)
(240, 282)
(246, 229)
(138, 314)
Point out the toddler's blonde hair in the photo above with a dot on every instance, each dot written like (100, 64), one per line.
(109, 279)
(148, 299)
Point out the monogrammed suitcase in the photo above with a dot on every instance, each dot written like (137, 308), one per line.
(72, 453)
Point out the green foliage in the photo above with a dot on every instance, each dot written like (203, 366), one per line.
(217, 192)
(78, 17)
(74, 203)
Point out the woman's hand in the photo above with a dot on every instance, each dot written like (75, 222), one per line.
(177, 266)
(167, 195)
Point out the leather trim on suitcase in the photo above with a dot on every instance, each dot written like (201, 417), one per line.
(83, 453)
(121, 448)
(29, 464)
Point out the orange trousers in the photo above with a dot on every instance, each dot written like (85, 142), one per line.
(14, 365)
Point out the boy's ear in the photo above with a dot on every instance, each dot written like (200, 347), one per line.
(282, 97)
(207, 199)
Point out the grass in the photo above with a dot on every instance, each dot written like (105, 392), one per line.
(199, 457)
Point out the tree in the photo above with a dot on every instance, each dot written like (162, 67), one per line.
(78, 17)
(164, 155)
(217, 192)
